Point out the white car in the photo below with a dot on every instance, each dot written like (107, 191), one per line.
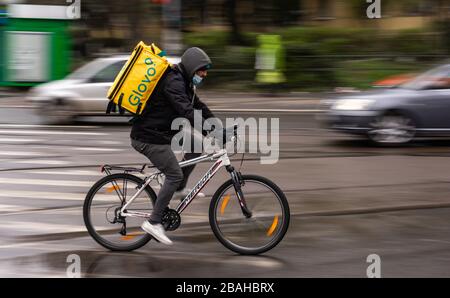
(81, 93)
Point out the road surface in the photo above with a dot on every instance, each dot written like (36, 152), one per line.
(348, 200)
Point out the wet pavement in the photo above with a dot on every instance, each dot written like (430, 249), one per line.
(348, 200)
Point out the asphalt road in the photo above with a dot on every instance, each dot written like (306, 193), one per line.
(348, 200)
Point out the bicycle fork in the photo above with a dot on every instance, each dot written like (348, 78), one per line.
(237, 183)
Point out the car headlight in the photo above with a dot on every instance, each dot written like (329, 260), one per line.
(352, 104)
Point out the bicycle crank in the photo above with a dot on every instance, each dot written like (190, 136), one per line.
(171, 219)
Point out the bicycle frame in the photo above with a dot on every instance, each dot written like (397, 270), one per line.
(222, 160)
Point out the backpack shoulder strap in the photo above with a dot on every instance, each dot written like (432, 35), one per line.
(111, 107)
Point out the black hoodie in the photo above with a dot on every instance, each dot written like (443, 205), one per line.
(173, 98)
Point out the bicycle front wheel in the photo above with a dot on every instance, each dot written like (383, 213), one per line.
(101, 212)
(260, 232)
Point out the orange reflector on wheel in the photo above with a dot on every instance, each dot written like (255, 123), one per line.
(131, 236)
(224, 204)
(112, 188)
(273, 226)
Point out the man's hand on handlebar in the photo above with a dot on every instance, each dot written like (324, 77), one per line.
(224, 135)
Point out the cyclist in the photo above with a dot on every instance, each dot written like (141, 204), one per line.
(151, 132)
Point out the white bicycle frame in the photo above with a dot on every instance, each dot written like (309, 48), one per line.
(222, 160)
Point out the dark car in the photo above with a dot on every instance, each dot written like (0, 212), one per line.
(419, 107)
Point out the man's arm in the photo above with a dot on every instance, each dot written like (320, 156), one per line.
(200, 105)
(175, 92)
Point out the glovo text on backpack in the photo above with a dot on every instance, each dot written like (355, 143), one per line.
(138, 78)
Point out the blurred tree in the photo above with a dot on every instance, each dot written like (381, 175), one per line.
(443, 12)
(203, 11)
(231, 11)
(286, 12)
(114, 25)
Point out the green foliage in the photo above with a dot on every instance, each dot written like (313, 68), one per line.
(444, 27)
(319, 58)
(362, 74)
(413, 42)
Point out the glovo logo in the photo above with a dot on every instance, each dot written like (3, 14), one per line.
(136, 96)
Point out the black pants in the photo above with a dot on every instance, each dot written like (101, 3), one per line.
(187, 170)
(163, 158)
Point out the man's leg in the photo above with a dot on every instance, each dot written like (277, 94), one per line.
(163, 158)
(187, 170)
(191, 151)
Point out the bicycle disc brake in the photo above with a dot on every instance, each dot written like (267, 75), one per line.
(171, 219)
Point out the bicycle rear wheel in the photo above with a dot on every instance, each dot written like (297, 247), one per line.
(269, 219)
(101, 212)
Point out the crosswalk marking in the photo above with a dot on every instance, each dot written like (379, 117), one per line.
(18, 140)
(50, 132)
(96, 149)
(71, 173)
(20, 153)
(6, 208)
(110, 142)
(47, 126)
(47, 227)
(41, 161)
(42, 195)
(22, 181)
(46, 195)
(102, 149)
(23, 140)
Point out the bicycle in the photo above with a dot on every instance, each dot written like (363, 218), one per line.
(248, 214)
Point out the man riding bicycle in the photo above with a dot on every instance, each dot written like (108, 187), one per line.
(151, 133)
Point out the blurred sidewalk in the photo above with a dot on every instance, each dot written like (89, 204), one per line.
(13, 99)
(5, 92)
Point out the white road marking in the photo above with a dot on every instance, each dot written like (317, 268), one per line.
(73, 173)
(41, 162)
(41, 195)
(20, 153)
(52, 182)
(17, 208)
(39, 226)
(62, 196)
(110, 142)
(19, 140)
(51, 132)
(47, 126)
(96, 149)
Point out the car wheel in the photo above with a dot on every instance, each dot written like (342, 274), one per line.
(392, 129)
(58, 111)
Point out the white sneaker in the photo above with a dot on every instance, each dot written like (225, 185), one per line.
(181, 194)
(157, 231)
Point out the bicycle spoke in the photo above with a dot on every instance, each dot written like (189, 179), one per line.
(103, 215)
(258, 233)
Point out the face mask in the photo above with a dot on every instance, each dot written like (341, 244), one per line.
(196, 80)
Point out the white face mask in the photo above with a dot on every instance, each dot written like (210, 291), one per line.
(196, 80)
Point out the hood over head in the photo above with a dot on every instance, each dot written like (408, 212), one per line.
(194, 59)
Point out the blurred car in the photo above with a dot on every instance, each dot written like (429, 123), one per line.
(393, 81)
(81, 93)
(419, 107)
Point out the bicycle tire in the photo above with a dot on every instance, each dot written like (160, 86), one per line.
(237, 248)
(87, 206)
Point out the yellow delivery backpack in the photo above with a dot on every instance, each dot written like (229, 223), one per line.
(138, 78)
